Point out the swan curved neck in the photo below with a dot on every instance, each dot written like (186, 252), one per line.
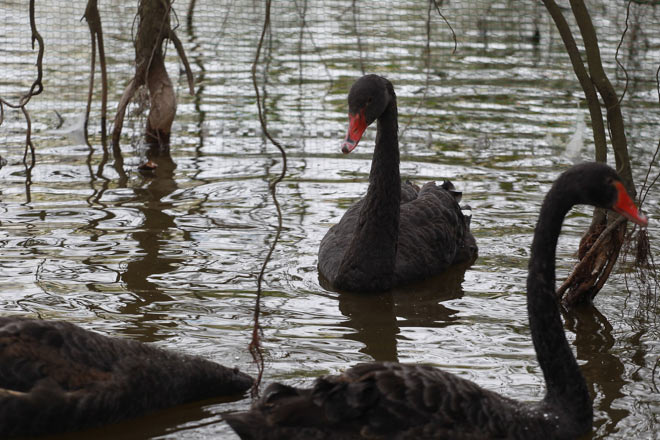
(372, 251)
(566, 387)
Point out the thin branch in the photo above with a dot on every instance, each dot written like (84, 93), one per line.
(427, 69)
(89, 16)
(616, 54)
(453, 34)
(255, 344)
(645, 190)
(607, 92)
(29, 146)
(427, 60)
(258, 97)
(93, 19)
(40, 56)
(189, 17)
(35, 89)
(182, 54)
(597, 125)
(126, 98)
(357, 34)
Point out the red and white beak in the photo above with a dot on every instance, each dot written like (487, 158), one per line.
(356, 126)
(626, 207)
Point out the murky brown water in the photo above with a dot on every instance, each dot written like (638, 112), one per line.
(172, 258)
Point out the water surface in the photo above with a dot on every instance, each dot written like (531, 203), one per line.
(172, 257)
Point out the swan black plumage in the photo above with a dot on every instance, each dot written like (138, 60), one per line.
(57, 377)
(397, 401)
(397, 233)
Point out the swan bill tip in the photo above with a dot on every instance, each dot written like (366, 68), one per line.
(627, 208)
(347, 147)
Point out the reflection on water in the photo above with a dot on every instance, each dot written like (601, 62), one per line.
(172, 256)
(604, 371)
(377, 318)
(156, 227)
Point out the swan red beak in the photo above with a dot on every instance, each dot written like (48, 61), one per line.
(356, 126)
(626, 207)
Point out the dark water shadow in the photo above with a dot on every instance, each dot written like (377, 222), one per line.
(378, 318)
(163, 423)
(603, 371)
(149, 239)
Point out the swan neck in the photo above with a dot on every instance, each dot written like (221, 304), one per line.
(384, 176)
(371, 256)
(566, 388)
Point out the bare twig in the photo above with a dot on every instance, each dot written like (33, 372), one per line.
(427, 69)
(354, 10)
(255, 343)
(126, 98)
(184, 59)
(616, 54)
(96, 32)
(453, 34)
(93, 19)
(607, 92)
(427, 60)
(189, 17)
(645, 189)
(35, 89)
(597, 125)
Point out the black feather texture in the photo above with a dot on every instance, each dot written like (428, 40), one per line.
(397, 234)
(384, 400)
(57, 377)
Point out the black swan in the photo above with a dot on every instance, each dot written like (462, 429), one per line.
(397, 233)
(397, 401)
(57, 377)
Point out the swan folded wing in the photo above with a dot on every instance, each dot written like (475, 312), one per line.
(69, 378)
(431, 232)
(336, 241)
(419, 401)
(409, 191)
(378, 400)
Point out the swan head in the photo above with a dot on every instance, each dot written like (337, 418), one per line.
(367, 100)
(599, 185)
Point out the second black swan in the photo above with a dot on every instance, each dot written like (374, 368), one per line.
(386, 400)
(397, 233)
(57, 377)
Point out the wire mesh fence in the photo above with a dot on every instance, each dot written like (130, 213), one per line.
(314, 48)
(487, 97)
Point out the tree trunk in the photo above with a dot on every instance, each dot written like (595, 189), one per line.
(601, 244)
(154, 27)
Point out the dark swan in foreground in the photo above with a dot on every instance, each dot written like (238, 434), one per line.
(396, 401)
(398, 233)
(57, 377)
